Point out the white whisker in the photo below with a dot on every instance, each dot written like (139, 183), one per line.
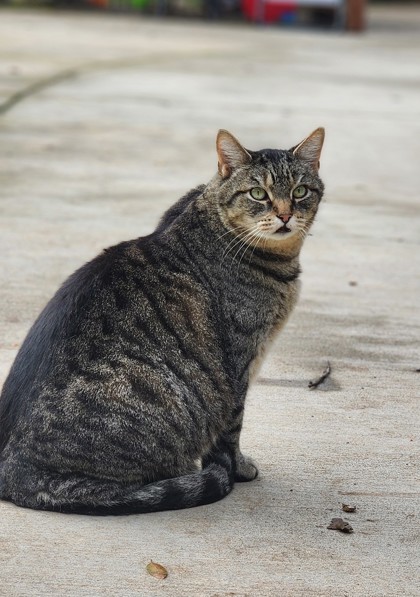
(230, 231)
(259, 236)
(243, 242)
(255, 234)
(234, 241)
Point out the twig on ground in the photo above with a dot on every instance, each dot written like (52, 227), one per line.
(316, 382)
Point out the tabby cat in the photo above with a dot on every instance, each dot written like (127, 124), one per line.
(128, 393)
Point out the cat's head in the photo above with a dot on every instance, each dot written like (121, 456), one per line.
(269, 195)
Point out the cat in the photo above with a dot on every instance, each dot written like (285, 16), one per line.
(128, 392)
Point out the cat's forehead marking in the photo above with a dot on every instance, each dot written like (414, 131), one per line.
(283, 173)
(269, 179)
(275, 168)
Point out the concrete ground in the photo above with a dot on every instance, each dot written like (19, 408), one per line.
(105, 122)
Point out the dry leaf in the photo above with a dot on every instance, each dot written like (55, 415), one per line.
(156, 570)
(348, 508)
(338, 524)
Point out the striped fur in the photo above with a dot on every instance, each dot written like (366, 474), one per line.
(128, 392)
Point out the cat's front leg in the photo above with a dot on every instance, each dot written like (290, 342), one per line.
(245, 468)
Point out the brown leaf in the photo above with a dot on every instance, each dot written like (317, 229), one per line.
(338, 524)
(156, 570)
(348, 508)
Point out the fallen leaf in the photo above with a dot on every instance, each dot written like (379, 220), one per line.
(338, 524)
(156, 570)
(348, 508)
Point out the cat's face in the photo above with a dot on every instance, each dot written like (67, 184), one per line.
(269, 195)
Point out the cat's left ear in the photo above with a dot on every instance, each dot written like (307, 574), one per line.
(309, 150)
(231, 154)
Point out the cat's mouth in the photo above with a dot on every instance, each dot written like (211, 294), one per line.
(283, 230)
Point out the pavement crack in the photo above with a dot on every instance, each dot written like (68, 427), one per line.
(69, 73)
(36, 87)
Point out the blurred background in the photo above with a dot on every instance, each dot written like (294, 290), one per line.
(348, 14)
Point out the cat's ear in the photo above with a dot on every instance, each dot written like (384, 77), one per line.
(309, 150)
(230, 153)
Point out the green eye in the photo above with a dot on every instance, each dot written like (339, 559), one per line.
(300, 191)
(258, 193)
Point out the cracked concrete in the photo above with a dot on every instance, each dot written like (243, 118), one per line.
(106, 121)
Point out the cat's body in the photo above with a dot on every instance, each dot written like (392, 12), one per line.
(128, 392)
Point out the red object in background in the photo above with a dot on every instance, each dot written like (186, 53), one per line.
(356, 15)
(266, 11)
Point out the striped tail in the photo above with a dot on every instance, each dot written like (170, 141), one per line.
(75, 494)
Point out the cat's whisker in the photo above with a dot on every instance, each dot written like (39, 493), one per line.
(302, 229)
(305, 231)
(239, 241)
(234, 242)
(230, 231)
(245, 246)
(244, 241)
(259, 236)
(265, 242)
(301, 233)
(233, 247)
(254, 235)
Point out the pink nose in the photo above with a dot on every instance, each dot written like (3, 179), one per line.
(285, 217)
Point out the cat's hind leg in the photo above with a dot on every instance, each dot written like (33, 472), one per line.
(75, 493)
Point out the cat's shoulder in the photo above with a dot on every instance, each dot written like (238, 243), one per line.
(178, 208)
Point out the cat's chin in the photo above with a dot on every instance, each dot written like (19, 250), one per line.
(283, 232)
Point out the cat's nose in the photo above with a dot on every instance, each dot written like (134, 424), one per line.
(285, 218)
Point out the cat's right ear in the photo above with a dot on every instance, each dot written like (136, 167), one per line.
(230, 153)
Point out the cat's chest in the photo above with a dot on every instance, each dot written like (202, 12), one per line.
(273, 325)
(253, 320)
(263, 312)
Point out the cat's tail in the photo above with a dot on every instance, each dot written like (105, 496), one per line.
(75, 494)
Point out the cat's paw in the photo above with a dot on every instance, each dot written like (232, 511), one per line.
(246, 469)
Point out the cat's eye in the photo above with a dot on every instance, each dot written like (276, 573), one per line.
(258, 193)
(300, 191)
